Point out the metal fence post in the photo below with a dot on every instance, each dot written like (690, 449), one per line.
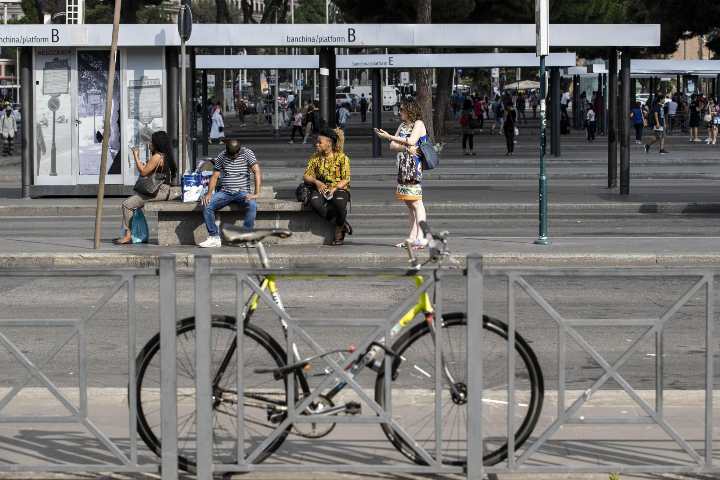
(475, 467)
(168, 378)
(203, 389)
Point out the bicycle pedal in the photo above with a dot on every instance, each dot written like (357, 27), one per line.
(353, 408)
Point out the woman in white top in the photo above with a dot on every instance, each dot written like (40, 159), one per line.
(217, 127)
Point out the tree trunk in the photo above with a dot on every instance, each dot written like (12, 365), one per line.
(441, 103)
(424, 75)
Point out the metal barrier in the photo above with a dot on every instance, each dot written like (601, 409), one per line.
(123, 279)
(568, 328)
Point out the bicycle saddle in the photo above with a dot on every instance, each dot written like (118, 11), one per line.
(237, 235)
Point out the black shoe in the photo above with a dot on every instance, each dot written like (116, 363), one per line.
(664, 152)
(647, 148)
(348, 228)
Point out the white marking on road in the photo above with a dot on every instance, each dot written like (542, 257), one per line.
(422, 371)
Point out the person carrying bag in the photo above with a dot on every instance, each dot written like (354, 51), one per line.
(153, 184)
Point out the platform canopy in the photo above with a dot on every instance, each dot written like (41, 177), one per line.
(439, 60)
(675, 67)
(335, 35)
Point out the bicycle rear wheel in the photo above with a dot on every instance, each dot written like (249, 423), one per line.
(413, 391)
(262, 391)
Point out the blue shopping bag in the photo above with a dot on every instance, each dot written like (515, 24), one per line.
(139, 227)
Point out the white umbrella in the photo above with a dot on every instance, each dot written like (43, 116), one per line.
(523, 85)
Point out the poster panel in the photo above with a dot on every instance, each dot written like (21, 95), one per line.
(93, 69)
(53, 113)
(145, 105)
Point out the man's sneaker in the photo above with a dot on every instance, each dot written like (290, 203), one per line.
(664, 152)
(211, 242)
(647, 148)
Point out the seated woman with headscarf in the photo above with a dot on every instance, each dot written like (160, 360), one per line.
(328, 172)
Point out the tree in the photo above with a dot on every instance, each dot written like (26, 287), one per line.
(424, 75)
(132, 11)
(310, 11)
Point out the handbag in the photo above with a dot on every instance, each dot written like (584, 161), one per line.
(517, 131)
(429, 156)
(151, 184)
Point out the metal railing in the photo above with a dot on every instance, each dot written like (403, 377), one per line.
(122, 280)
(703, 280)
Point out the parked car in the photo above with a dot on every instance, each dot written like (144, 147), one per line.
(343, 98)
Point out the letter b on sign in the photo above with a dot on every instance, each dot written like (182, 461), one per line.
(351, 35)
(55, 35)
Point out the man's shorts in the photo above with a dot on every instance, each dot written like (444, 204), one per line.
(659, 133)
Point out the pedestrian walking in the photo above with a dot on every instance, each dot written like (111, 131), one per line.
(162, 161)
(510, 129)
(363, 108)
(498, 113)
(534, 103)
(479, 111)
(520, 104)
(343, 116)
(715, 121)
(657, 120)
(241, 109)
(410, 134)
(297, 125)
(466, 126)
(694, 123)
(672, 111)
(233, 168)
(8, 128)
(217, 126)
(590, 122)
(709, 119)
(638, 120)
(328, 173)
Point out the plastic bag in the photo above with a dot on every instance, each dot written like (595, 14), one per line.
(138, 227)
(192, 187)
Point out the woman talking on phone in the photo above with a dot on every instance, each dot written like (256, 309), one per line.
(328, 171)
(410, 134)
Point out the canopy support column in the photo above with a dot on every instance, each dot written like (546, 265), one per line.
(625, 123)
(612, 118)
(327, 87)
(555, 111)
(376, 110)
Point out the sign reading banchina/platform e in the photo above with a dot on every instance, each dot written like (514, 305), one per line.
(338, 35)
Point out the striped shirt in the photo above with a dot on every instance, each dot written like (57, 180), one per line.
(235, 172)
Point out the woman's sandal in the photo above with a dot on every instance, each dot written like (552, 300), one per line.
(339, 237)
(419, 244)
(120, 241)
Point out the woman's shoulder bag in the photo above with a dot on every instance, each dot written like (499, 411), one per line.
(429, 156)
(151, 184)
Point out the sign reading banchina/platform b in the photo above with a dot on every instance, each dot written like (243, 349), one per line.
(337, 35)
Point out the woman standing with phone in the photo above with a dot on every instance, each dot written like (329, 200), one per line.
(409, 135)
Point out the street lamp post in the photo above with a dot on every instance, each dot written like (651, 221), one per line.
(542, 26)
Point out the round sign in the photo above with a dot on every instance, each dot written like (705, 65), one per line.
(54, 104)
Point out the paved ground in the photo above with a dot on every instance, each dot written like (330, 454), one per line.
(488, 202)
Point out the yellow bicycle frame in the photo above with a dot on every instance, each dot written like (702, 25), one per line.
(424, 305)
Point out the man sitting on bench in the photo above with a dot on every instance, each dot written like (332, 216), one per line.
(232, 167)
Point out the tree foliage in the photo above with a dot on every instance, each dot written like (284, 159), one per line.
(310, 11)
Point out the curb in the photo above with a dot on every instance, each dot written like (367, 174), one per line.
(185, 261)
(483, 208)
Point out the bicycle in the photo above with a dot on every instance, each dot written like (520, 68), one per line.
(266, 373)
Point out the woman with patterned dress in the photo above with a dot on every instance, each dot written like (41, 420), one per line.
(405, 142)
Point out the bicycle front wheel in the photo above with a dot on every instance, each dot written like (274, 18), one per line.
(413, 391)
(263, 394)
